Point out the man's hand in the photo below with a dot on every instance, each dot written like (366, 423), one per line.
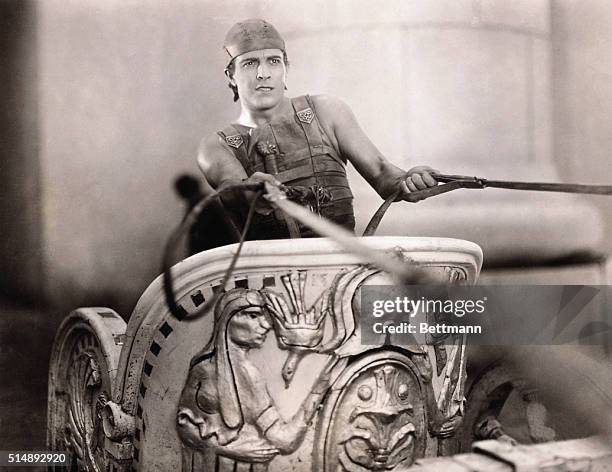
(259, 177)
(262, 206)
(418, 178)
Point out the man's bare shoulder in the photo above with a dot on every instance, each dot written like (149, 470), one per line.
(211, 150)
(212, 144)
(217, 161)
(332, 111)
(329, 105)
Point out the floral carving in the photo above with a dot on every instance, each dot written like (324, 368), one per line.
(382, 428)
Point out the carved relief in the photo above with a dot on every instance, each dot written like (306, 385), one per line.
(450, 398)
(350, 406)
(456, 275)
(226, 413)
(298, 329)
(375, 418)
(378, 417)
(384, 426)
(83, 366)
(83, 434)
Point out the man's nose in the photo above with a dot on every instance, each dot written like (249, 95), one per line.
(263, 71)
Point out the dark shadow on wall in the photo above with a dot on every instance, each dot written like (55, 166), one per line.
(26, 336)
(26, 333)
(21, 276)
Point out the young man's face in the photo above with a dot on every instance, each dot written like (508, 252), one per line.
(260, 78)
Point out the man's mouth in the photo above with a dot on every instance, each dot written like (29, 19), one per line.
(264, 88)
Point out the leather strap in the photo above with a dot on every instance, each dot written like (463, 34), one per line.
(313, 130)
(232, 137)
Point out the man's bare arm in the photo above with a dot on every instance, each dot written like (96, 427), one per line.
(218, 162)
(220, 166)
(385, 177)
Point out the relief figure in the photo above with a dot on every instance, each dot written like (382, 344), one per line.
(226, 413)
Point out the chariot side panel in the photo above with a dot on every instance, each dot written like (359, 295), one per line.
(275, 377)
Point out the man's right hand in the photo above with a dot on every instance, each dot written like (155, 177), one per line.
(261, 177)
(417, 178)
(262, 206)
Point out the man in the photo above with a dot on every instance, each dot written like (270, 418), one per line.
(304, 141)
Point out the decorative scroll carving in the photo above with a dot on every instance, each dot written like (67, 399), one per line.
(456, 275)
(117, 424)
(382, 428)
(98, 432)
(118, 427)
(375, 418)
(83, 364)
(83, 434)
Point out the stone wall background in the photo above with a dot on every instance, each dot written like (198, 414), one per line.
(106, 102)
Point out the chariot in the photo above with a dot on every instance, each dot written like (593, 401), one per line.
(119, 397)
(274, 375)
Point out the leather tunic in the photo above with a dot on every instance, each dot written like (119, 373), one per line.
(297, 151)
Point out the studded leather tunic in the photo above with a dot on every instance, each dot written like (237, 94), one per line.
(295, 148)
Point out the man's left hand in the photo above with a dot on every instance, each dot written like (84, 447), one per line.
(418, 178)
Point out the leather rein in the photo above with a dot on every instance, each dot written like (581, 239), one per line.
(455, 182)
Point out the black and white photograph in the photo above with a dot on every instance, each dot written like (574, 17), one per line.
(306, 235)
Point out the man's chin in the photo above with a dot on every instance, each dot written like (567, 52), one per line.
(266, 103)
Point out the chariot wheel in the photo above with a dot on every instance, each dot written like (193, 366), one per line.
(498, 406)
(557, 393)
(83, 366)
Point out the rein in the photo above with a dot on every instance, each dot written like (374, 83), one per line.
(455, 182)
(280, 198)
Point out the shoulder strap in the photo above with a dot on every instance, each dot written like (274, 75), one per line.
(333, 152)
(306, 115)
(232, 137)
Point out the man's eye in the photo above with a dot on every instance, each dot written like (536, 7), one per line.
(275, 61)
(248, 64)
